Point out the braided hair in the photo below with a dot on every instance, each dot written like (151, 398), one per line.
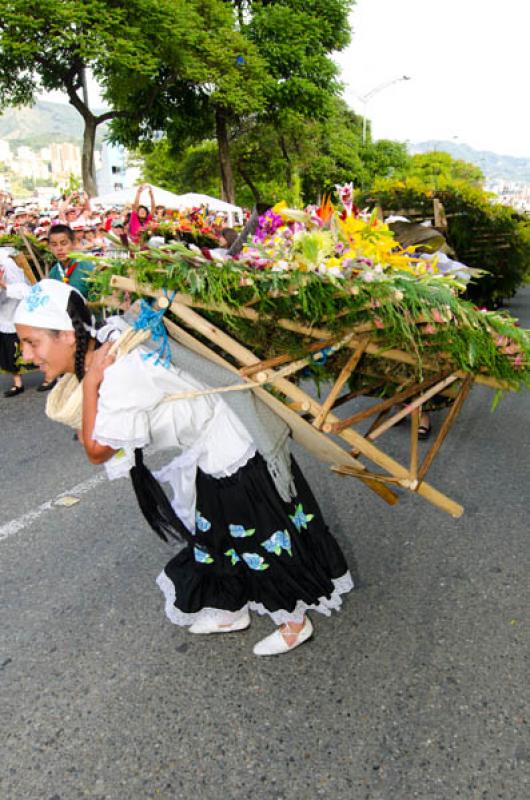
(78, 312)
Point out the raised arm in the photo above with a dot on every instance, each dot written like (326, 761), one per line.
(85, 206)
(136, 202)
(152, 196)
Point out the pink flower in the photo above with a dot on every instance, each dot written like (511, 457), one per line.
(437, 317)
(429, 328)
(378, 323)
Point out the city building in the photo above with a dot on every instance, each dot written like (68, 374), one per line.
(115, 172)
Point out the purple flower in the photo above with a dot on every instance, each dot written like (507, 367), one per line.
(268, 223)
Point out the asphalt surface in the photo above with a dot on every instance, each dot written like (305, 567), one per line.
(419, 688)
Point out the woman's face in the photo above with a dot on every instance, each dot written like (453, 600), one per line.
(53, 352)
(142, 213)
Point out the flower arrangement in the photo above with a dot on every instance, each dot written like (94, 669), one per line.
(335, 270)
(341, 244)
(194, 227)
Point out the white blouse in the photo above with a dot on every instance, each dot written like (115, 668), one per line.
(16, 289)
(132, 413)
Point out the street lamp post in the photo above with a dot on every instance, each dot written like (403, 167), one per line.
(368, 96)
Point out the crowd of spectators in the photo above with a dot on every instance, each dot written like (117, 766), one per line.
(72, 229)
(108, 231)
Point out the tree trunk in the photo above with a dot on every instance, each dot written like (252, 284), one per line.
(227, 178)
(289, 165)
(248, 180)
(87, 157)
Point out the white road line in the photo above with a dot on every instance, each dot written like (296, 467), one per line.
(16, 525)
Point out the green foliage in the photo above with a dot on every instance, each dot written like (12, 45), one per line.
(265, 66)
(296, 159)
(196, 169)
(483, 235)
(471, 340)
(44, 44)
(430, 168)
(44, 256)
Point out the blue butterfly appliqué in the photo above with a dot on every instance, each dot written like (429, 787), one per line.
(234, 558)
(255, 561)
(280, 540)
(36, 298)
(202, 523)
(240, 532)
(299, 518)
(202, 556)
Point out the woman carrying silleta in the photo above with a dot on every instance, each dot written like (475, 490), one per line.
(254, 534)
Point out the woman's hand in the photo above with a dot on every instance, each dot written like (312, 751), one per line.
(101, 359)
(3, 284)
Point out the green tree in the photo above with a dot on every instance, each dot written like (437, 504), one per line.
(206, 73)
(430, 168)
(297, 162)
(46, 45)
(195, 169)
(486, 236)
(268, 63)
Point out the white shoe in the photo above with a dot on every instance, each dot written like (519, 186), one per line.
(208, 626)
(275, 644)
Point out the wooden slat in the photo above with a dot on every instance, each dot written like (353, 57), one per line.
(130, 285)
(414, 427)
(419, 401)
(384, 404)
(345, 373)
(449, 420)
(29, 248)
(246, 357)
(21, 261)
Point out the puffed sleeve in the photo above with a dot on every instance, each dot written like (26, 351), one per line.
(126, 397)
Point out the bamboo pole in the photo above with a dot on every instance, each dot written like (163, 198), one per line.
(414, 427)
(296, 366)
(131, 285)
(381, 416)
(357, 393)
(277, 361)
(192, 393)
(339, 383)
(372, 452)
(384, 404)
(32, 254)
(415, 404)
(448, 422)
(21, 260)
(246, 357)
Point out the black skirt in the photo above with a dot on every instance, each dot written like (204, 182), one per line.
(255, 550)
(8, 352)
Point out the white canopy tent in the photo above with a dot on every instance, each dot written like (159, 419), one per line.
(162, 197)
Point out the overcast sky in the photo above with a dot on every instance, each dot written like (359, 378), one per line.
(469, 63)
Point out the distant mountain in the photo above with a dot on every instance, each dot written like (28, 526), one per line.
(493, 165)
(43, 123)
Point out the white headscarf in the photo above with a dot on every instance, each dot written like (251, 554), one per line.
(45, 306)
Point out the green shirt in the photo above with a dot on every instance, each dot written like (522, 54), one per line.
(78, 278)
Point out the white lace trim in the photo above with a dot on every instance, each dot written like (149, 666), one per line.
(249, 453)
(220, 616)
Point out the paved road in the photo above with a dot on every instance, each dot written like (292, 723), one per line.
(418, 689)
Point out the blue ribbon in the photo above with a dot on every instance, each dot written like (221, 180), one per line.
(319, 358)
(151, 320)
